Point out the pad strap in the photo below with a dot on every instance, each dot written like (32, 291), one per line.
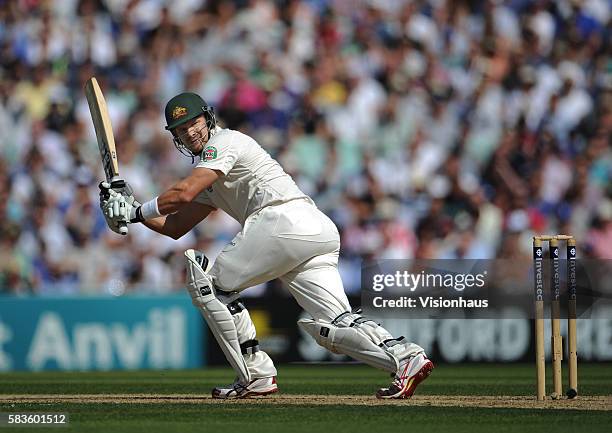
(250, 347)
(236, 307)
(393, 342)
(357, 320)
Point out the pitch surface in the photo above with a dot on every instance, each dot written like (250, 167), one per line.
(314, 399)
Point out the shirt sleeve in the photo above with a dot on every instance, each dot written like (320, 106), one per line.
(220, 153)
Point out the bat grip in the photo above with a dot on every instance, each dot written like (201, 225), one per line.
(117, 183)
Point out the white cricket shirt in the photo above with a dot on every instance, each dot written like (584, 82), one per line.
(252, 179)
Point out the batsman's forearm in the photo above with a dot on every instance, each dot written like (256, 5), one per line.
(168, 225)
(186, 190)
(171, 201)
(164, 205)
(177, 196)
(158, 225)
(162, 225)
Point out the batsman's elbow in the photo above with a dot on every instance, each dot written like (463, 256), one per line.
(176, 236)
(174, 233)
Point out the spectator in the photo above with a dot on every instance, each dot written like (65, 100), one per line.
(429, 129)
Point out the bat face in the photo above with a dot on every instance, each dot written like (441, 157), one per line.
(104, 135)
(103, 127)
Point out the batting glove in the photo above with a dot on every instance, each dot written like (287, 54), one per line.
(122, 209)
(105, 195)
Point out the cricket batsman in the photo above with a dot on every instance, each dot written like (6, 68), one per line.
(284, 235)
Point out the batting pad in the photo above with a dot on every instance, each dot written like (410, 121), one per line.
(351, 341)
(215, 312)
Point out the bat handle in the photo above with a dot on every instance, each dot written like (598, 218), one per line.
(123, 229)
(117, 183)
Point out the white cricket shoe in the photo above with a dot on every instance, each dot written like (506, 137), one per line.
(260, 386)
(411, 372)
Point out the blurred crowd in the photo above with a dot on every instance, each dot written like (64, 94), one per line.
(425, 129)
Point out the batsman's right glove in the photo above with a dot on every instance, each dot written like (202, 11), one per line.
(105, 196)
(119, 205)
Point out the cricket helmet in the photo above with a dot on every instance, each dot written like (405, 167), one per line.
(183, 108)
(187, 106)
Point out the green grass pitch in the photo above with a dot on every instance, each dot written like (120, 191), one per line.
(311, 400)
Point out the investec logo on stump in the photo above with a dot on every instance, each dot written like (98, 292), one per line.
(539, 273)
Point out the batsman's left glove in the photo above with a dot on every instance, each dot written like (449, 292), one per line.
(122, 209)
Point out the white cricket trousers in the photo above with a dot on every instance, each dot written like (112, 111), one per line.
(292, 241)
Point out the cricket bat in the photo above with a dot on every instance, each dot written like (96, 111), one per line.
(105, 137)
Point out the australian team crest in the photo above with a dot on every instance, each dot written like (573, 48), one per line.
(178, 112)
(210, 153)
